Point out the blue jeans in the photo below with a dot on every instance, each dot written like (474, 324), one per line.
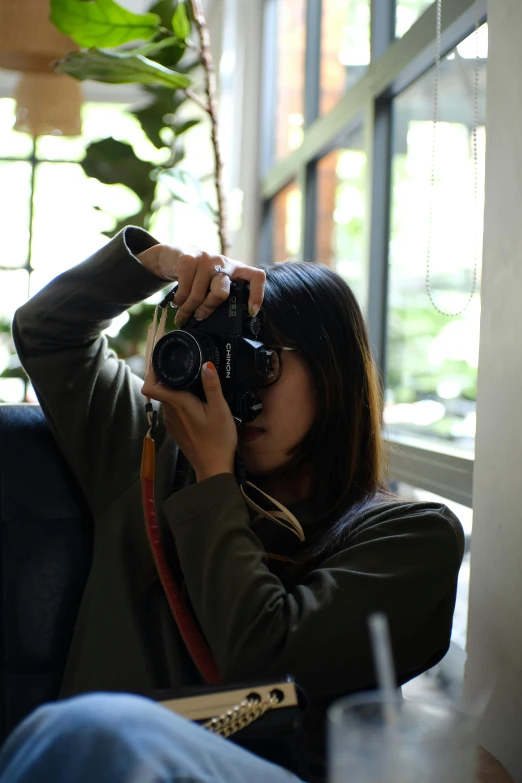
(108, 738)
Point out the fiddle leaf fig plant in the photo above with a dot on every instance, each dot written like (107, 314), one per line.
(102, 65)
(180, 22)
(156, 50)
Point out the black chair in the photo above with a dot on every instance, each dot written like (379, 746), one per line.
(46, 550)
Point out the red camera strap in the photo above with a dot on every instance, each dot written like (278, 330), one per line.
(190, 633)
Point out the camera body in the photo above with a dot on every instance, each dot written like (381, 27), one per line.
(228, 338)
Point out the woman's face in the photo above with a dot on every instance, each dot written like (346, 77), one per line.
(288, 412)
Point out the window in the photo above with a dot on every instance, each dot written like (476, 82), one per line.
(359, 202)
(432, 359)
(345, 47)
(52, 214)
(341, 212)
(287, 224)
(291, 45)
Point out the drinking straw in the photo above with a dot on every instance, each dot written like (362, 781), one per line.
(384, 668)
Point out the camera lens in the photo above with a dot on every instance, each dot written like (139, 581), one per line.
(177, 359)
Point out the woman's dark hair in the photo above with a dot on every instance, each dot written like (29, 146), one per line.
(309, 307)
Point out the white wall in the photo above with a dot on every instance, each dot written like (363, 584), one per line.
(495, 616)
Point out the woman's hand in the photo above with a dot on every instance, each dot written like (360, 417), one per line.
(205, 432)
(200, 290)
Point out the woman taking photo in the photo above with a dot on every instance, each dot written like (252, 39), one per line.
(267, 603)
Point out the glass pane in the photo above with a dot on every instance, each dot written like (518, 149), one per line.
(100, 120)
(345, 47)
(291, 44)
(12, 143)
(407, 13)
(15, 200)
(14, 291)
(66, 228)
(60, 147)
(287, 224)
(341, 212)
(433, 359)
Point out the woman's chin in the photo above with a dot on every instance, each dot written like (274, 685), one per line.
(259, 465)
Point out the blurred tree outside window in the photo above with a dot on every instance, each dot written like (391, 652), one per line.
(432, 360)
(345, 48)
(70, 213)
(341, 237)
(287, 224)
(290, 74)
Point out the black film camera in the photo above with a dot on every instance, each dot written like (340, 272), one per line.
(227, 338)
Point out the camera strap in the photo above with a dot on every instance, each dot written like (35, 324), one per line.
(190, 633)
(282, 517)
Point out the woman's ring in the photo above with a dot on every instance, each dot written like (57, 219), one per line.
(218, 270)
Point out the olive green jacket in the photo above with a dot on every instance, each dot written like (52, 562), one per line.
(401, 558)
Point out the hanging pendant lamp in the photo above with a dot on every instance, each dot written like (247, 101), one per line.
(48, 105)
(28, 40)
(47, 102)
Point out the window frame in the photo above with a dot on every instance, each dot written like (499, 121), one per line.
(93, 93)
(395, 64)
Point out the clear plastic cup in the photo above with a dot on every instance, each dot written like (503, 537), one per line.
(427, 742)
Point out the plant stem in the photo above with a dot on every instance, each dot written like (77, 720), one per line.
(210, 74)
(193, 97)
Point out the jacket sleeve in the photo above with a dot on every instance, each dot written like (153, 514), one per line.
(90, 398)
(406, 564)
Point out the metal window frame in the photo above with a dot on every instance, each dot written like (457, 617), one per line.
(395, 64)
(405, 60)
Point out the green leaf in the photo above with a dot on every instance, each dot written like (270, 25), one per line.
(102, 22)
(165, 10)
(113, 162)
(150, 50)
(151, 121)
(167, 52)
(119, 68)
(171, 100)
(184, 187)
(183, 127)
(180, 22)
(151, 117)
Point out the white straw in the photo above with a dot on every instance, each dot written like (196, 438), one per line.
(384, 668)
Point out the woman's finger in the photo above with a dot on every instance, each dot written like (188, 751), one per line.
(256, 277)
(219, 293)
(157, 391)
(212, 388)
(186, 272)
(199, 289)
